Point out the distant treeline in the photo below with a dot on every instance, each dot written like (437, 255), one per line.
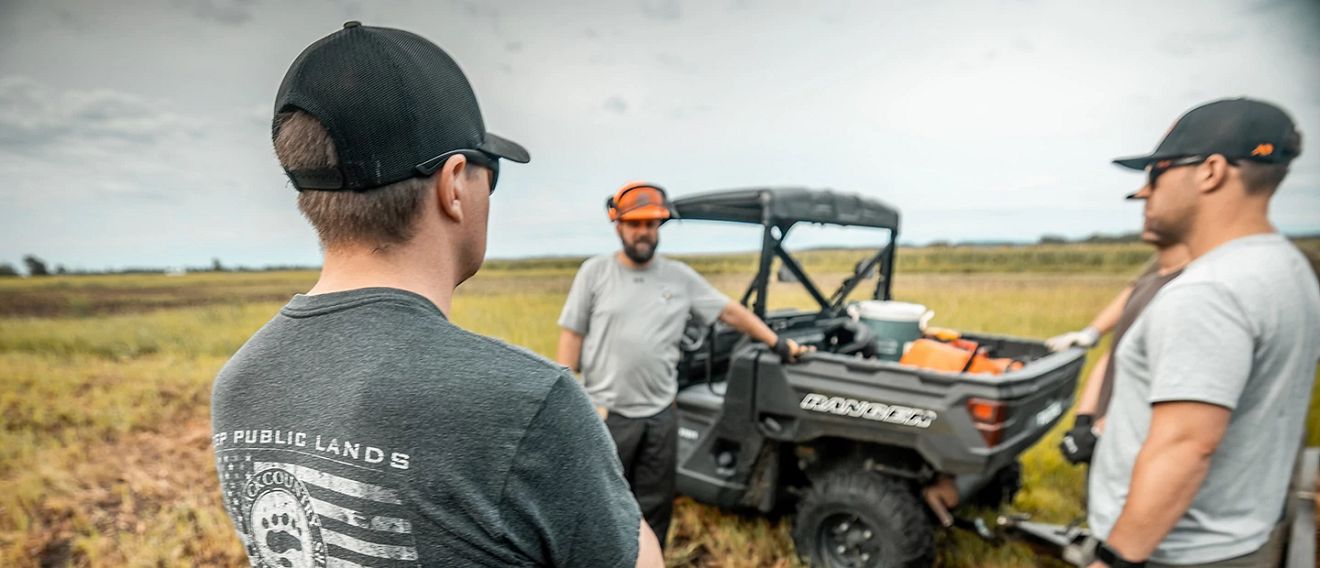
(1096, 253)
(35, 266)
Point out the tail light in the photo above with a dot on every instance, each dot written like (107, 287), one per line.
(988, 416)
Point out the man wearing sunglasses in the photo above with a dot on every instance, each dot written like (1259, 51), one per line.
(1213, 380)
(360, 427)
(621, 327)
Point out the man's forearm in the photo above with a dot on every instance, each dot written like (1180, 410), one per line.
(1089, 402)
(1165, 480)
(569, 352)
(648, 548)
(744, 320)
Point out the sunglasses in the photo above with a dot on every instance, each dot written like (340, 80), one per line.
(1158, 168)
(475, 157)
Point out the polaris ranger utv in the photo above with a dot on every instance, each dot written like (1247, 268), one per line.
(845, 438)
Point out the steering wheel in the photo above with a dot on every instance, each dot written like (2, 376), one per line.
(848, 337)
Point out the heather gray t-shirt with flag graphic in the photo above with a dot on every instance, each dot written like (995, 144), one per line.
(632, 321)
(362, 428)
(1239, 329)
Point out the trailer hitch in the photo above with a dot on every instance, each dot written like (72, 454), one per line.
(936, 501)
(1071, 543)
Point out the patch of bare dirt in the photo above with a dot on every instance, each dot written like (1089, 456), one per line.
(154, 489)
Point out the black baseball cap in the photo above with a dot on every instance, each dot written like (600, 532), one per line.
(392, 101)
(1237, 129)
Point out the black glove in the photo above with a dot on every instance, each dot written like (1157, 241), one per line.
(1078, 444)
(782, 348)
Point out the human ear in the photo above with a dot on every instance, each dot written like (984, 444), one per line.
(450, 187)
(1211, 174)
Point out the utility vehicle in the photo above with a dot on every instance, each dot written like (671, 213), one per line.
(846, 440)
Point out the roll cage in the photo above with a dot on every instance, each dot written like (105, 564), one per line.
(778, 210)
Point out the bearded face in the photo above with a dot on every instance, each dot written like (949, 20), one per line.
(639, 239)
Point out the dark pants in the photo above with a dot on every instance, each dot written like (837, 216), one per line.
(648, 449)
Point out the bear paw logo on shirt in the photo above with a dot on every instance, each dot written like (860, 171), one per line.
(282, 526)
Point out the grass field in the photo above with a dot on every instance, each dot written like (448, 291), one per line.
(105, 383)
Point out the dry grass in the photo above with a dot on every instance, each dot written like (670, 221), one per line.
(104, 454)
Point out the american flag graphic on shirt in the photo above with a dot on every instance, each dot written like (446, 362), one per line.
(291, 515)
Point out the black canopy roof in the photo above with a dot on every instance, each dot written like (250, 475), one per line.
(784, 206)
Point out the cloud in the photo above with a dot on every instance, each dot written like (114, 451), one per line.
(616, 104)
(668, 10)
(682, 112)
(481, 11)
(33, 116)
(73, 19)
(119, 145)
(672, 61)
(1188, 44)
(258, 115)
(229, 12)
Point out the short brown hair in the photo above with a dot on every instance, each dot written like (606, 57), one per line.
(379, 217)
(1260, 178)
(1263, 178)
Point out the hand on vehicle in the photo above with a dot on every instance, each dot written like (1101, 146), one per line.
(1078, 444)
(1085, 338)
(789, 351)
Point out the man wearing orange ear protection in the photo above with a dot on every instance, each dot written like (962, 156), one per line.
(622, 324)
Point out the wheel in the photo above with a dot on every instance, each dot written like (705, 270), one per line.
(857, 518)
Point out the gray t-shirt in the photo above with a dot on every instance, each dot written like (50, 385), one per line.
(631, 321)
(1239, 329)
(363, 428)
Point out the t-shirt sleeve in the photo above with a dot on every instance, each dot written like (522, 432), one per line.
(707, 302)
(576, 316)
(1201, 345)
(565, 502)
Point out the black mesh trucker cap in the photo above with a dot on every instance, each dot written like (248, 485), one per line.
(1237, 129)
(392, 102)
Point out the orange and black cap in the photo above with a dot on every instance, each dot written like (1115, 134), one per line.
(1238, 129)
(639, 201)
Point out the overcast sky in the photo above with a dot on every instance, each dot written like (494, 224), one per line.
(137, 132)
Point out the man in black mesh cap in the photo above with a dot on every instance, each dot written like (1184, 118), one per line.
(1211, 383)
(360, 427)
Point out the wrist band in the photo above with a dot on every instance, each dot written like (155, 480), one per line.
(1110, 557)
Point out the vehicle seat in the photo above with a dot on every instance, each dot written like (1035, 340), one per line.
(710, 398)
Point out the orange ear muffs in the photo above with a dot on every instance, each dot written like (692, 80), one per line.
(638, 201)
